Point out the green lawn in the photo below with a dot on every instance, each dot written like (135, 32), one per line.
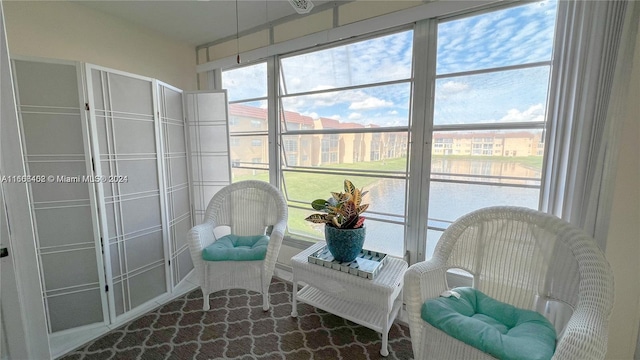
(308, 187)
(305, 186)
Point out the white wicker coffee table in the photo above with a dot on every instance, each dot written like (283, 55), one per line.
(371, 303)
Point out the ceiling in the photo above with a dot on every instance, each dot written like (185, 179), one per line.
(198, 21)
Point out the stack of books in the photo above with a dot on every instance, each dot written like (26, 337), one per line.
(366, 265)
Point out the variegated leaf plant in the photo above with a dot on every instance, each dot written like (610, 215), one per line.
(342, 210)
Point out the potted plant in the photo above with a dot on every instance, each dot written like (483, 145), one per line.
(344, 226)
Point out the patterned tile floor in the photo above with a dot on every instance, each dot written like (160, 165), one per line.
(237, 328)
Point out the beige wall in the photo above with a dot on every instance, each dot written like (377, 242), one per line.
(64, 30)
(623, 242)
(316, 21)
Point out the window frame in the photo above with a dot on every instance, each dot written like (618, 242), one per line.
(420, 128)
(331, 136)
(255, 132)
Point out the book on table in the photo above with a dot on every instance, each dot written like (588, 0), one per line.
(366, 265)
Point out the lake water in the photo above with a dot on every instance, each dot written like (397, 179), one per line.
(447, 201)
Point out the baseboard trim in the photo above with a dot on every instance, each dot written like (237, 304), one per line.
(66, 341)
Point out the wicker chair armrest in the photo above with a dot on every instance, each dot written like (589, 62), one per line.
(425, 280)
(199, 237)
(275, 242)
(422, 281)
(585, 336)
(279, 229)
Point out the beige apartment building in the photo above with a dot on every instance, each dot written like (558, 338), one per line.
(249, 145)
(492, 143)
(249, 141)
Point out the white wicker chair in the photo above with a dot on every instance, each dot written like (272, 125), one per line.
(528, 259)
(247, 208)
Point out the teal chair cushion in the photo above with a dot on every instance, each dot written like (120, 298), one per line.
(494, 327)
(237, 248)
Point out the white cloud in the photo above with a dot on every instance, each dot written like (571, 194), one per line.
(507, 37)
(454, 87)
(392, 112)
(335, 117)
(370, 103)
(533, 113)
(355, 116)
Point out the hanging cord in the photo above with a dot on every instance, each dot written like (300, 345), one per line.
(266, 21)
(237, 34)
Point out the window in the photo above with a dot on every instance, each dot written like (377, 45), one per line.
(247, 91)
(344, 112)
(291, 145)
(342, 104)
(292, 160)
(492, 76)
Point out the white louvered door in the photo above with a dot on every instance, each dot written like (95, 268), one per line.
(126, 146)
(55, 142)
(111, 190)
(207, 117)
(176, 173)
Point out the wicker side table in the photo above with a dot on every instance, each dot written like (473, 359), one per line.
(371, 303)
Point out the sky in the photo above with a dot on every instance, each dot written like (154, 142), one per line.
(513, 36)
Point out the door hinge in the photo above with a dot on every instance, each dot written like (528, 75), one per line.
(106, 288)
(86, 106)
(102, 245)
(169, 261)
(93, 165)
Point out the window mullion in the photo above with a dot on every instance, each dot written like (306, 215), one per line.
(424, 70)
(490, 126)
(347, 88)
(273, 122)
(494, 70)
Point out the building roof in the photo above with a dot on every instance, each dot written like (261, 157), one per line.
(248, 111)
(294, 117)
(350, 125)
(326, 123)
(297, 118)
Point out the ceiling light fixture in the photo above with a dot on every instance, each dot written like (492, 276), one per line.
(301, 6)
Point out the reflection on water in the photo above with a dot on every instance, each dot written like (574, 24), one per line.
(448, 201)
(458, 168)
(386, 196)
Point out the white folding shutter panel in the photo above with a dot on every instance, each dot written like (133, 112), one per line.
(207, 116)
(55, 141)
(126, 142)
(174, 145)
